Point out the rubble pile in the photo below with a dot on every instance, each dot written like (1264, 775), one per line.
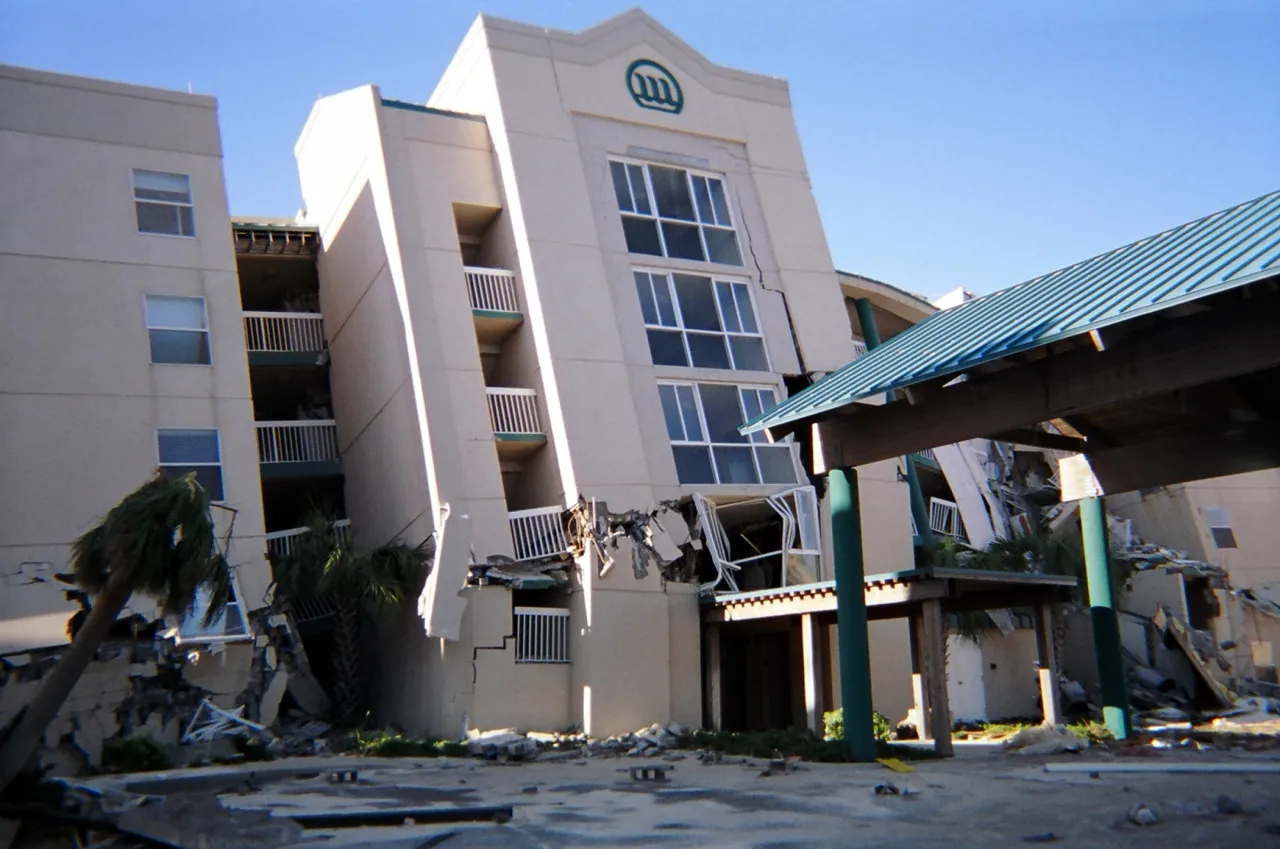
(507, 744)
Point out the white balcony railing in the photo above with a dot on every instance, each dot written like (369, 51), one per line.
(513, 410)
(542, 635)
(538, 533)
(297, 442)
(928, 454)
(859, 348)
(280, 543)
(285, 332)
(492, 289)
(944, 518)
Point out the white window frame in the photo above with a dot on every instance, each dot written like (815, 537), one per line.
(697, 223)
(190, 204)
(757, 438)
(714, 279)
(197, 615)
(222, 470)
(1216, 519)
(204, 313)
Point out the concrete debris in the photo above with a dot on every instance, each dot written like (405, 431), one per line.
(1228, 805)
(506, 744)
(1140, 814)
(199, 821)
(503, 744)
(1046, 740)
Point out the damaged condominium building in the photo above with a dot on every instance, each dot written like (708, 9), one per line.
(525, 318)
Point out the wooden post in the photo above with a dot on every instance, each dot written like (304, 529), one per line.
(714, 679)
(919, 692)
(813, 662)
(935, 676)
(1047, 664)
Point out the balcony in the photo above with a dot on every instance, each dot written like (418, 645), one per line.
(298, 449)
(542, 635)
(283, 338)
(495, 306)
(538, 533)
(925, 458)
(280, 543)
(944, 519)
(859, 348)
(513, 415)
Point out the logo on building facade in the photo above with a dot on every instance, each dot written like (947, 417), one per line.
(654, 87)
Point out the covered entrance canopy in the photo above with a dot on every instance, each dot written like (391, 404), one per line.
(921, 596)
(1159, 361)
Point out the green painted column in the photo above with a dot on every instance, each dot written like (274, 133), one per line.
(851, 614)
(919, 512)
(1106, 624)
(867, 318)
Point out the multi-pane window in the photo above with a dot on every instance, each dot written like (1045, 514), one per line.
(163, 203)
(187, 450)
(674, 213)
(229, 624)
(702, 422)
(692, 320)
(178, 329)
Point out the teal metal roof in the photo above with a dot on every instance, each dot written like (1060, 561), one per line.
(1221, 251)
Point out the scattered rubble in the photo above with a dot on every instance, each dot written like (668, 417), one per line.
(1140, 814)
(1045, 740)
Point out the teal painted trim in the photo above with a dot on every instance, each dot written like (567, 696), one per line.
(851, 614)
(315, 469)
(921, 461)
(284, 358)
(419, 107)
(520, 437)
(1106, 623)
(915, 541)
(513, 316)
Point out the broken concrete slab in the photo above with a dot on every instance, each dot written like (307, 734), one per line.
(199, 821)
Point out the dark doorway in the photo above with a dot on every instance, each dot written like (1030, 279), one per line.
(757, 680)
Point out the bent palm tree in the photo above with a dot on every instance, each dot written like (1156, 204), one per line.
(158, 541)
(323, 560)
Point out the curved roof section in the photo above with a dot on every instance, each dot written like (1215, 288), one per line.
(1221, 251)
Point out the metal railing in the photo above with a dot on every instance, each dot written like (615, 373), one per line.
(513, 410)
(280, 543)
(927, 453)
(297, 441)
(944, 518)
(859, 348)
(542, 635)
(492, 289)
(289, 332)
(538, 533)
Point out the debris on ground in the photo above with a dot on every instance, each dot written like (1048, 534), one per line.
(1140, 814)
(1046, 740)
(886, 788)
(1046, 837)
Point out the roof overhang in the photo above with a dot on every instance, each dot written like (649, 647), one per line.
(896, 595)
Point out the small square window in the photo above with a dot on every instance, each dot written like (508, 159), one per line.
(183, 451)
(178, 330)
(162, 203)
(1220, 527)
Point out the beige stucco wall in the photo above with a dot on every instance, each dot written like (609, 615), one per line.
(80, 400)
(1175, 516)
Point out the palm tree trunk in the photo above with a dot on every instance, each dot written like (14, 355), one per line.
(348, 696)
(26, 735)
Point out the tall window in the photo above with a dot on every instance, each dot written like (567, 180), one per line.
(693, 320)
(178, 329)
(163, 203)
(183, 451)
(674, 213)
(702, 423)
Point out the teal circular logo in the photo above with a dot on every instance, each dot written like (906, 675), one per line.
(654, 87)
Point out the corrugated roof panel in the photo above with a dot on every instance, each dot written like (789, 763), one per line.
(1220, 251)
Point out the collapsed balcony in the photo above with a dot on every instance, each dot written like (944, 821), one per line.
(759, 543)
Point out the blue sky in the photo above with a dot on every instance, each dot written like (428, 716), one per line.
(950, 143)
